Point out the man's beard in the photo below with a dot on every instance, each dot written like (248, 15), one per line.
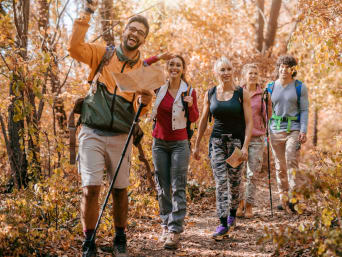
(131, 48)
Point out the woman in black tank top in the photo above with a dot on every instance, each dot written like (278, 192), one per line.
(231, 109)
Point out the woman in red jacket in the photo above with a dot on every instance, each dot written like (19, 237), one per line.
(170, 149)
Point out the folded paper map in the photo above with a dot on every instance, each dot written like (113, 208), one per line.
(146, 77)
(235, 159)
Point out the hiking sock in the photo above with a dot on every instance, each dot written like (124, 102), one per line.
(224, 222)
(233, 212)
(88, 233)
(119, 231)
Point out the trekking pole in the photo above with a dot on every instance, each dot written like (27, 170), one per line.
(268, 150)
(135, 121)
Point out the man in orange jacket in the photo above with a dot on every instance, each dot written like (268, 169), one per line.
(100, 148)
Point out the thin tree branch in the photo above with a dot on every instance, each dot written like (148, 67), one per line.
(66, 77)
(4, 60)
(262, 14)
(3, 74)
(58, 21)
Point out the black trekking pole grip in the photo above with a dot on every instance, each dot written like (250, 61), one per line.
(265, 95)
(135, 121)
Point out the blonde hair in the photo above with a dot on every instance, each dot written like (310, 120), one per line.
(221, 61)
(244, 71)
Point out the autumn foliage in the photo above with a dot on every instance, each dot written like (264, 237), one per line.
(40, 191)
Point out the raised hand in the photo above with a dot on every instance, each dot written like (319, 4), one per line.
(91, 5)
(165, 56)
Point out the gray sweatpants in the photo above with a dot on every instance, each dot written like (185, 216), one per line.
(227, 179)
(171, 160)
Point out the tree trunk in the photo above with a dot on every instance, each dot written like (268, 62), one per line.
(17, 159)
(272, 25)
(17, 156)
(261, 23)
(108, 16)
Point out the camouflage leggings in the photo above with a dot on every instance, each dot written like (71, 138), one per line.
(227, 179)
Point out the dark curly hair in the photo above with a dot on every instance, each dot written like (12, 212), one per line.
(287, 60)
(141, 19)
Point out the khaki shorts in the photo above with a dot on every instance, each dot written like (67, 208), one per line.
(97, 153)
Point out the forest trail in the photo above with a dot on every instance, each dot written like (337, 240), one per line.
(201, 222)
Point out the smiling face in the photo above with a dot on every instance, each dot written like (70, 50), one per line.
(285, 72)
(225, 72)
(252, 76)
(175, 68)
(134, 36)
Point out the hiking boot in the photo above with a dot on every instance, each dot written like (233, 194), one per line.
(163, 236)
(88, 249)
(280, 207)
(120, 246)
(231, 222)
(240, 209)
(249, 211)
(172, 240)
(292, 207)
(221, 232)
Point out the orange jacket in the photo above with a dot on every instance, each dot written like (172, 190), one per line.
(91, 54)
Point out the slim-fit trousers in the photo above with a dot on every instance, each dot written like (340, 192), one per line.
(171, 160)
(227, 179)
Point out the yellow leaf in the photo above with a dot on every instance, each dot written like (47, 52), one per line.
(321, 249)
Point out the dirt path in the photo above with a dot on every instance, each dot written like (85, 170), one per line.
(201, 222)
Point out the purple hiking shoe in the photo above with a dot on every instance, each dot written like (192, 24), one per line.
(231, 221)
(221, 232)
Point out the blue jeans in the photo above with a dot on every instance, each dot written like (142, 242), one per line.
(171, 161)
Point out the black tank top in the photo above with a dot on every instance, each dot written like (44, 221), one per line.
(228, 115)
